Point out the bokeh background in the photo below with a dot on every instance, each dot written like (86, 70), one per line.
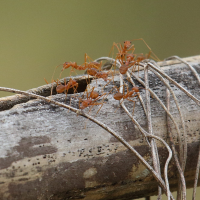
(36, 36)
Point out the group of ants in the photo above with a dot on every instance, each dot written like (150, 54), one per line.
(125, 55)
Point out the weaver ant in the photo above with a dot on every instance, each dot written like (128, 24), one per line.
(128, 60)
(71, 84)
(123, 50)
(128, 63)
(124, 67)
(80, 67)
(86, 65)
(91, 100)
(98, 74)
(131, 62)
(132, 93)
(119, 95)
(142, 57)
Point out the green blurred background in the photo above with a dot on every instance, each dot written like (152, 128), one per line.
(38, 35)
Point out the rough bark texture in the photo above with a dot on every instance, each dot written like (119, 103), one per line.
(47, 152)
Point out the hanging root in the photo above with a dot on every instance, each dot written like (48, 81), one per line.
(181, 161)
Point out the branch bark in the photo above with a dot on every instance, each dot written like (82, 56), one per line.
(47, 152)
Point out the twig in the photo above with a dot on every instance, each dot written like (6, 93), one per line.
(190, 66)
(181, 175)
(183, 155)
(139, 95)
(197, 101)
(145, 134)
(161, 103)
(196, 176)
(198, 161)
(154, 150)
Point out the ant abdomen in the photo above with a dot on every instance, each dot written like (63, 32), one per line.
(118, 96)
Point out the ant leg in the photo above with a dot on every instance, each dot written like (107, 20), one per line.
(133, 68)
(112, 52)
(46, 81)
(133, 108)
(73, 70)
(75, 88)
(52, 86)
(103, 100)
(69, 102)
(62, 69)
(132, 48)
(155, 57)
(120, 104)
(106, 85)
(133, 104)
(55, 71)
(118, 90)
(112, 48)
(66, 92)
(87, 58)
(93, 104)
(99, 108)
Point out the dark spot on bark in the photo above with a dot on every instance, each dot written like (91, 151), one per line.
(26, 149)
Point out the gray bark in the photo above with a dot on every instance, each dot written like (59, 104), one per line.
(48, 152)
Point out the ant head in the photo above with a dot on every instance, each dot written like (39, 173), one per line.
(127, 43)
(64, 65)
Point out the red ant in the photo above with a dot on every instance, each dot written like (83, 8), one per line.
(122, 53)
(71, 84)
(81, 67)
(61, 88)
(119, 96)
(154, 57)
(128, 63)
(91, 100)
(98, 74)
(74, 65)
(123, 50)
(131, 62)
